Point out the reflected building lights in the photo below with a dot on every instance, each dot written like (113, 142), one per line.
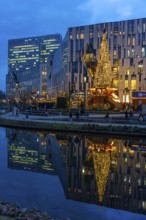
(32, 155)
(93, 169)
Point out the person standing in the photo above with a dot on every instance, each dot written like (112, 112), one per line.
(131, 113)
(107, 114)
(126, 114)
(70, 116)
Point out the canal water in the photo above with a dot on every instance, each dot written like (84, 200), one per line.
(77, 176)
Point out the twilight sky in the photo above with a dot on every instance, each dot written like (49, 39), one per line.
(26, 18)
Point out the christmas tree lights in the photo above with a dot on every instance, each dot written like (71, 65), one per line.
(103, 75)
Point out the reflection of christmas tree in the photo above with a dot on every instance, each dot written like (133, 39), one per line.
(103, 76)
(101, 166)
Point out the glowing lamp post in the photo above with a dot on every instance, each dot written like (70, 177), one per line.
(85, 80)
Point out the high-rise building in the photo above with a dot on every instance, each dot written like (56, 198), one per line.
(27, 60)
(56, 77)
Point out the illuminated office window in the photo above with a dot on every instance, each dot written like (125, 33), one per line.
(115, 70)
(129, 41)
(133, 41)
(133, 84)
(128, 71)
(140, 67)
(82, 36)
(126, 98)
(126, 160)
(91, 35)
(115, 52)
(143, 51)
(137, 164)
(133, 53)
(126, 84)
(125, 178)
(115, 82)
(130, 190)
(44, 73)
(144, 205)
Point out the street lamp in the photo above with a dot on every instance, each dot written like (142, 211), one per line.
(85, 80)
(69, 91)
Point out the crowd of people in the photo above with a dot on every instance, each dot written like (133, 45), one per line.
(128, 110)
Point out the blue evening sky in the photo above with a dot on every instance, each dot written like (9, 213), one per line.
(26, 18)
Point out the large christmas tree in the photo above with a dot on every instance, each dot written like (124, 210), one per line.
(103, 75)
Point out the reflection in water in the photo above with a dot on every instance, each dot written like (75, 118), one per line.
(101, 170)
(107, 170)
(29, 151)
(100, 153)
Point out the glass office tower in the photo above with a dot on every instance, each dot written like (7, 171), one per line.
(26, 58)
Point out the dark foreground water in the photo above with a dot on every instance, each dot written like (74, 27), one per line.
(68, 175)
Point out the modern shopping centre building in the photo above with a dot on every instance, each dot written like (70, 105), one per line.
(67, 74)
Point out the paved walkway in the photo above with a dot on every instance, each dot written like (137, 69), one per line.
(114, 119)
